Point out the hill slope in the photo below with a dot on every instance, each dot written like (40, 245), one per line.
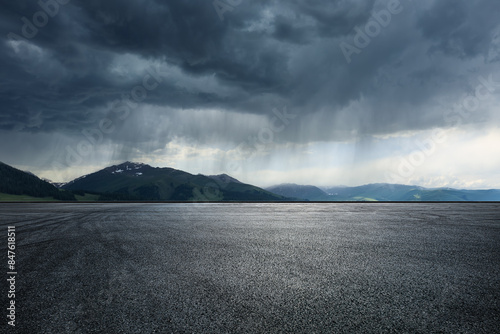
(137, 181)
(16, 182)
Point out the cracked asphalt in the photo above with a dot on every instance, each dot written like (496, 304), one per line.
(254, 268)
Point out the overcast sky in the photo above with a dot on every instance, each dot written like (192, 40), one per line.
(323, 92)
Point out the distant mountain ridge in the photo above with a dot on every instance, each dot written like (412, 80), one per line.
(388, 192)
(139, 182)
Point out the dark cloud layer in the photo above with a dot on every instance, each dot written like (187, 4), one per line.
(460, 28)
(262, 55)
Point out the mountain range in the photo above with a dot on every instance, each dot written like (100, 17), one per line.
(383, 192)
(132, 181)
(137, 181)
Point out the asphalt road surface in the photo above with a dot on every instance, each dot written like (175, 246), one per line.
(253, 268)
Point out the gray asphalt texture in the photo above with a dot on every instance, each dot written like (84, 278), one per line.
(255, 268)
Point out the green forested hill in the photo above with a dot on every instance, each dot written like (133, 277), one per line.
(136, 181)
(16, 182)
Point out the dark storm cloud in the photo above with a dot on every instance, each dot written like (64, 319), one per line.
(333, 18)
(460, 28)
(263, 55)
(78, 45)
